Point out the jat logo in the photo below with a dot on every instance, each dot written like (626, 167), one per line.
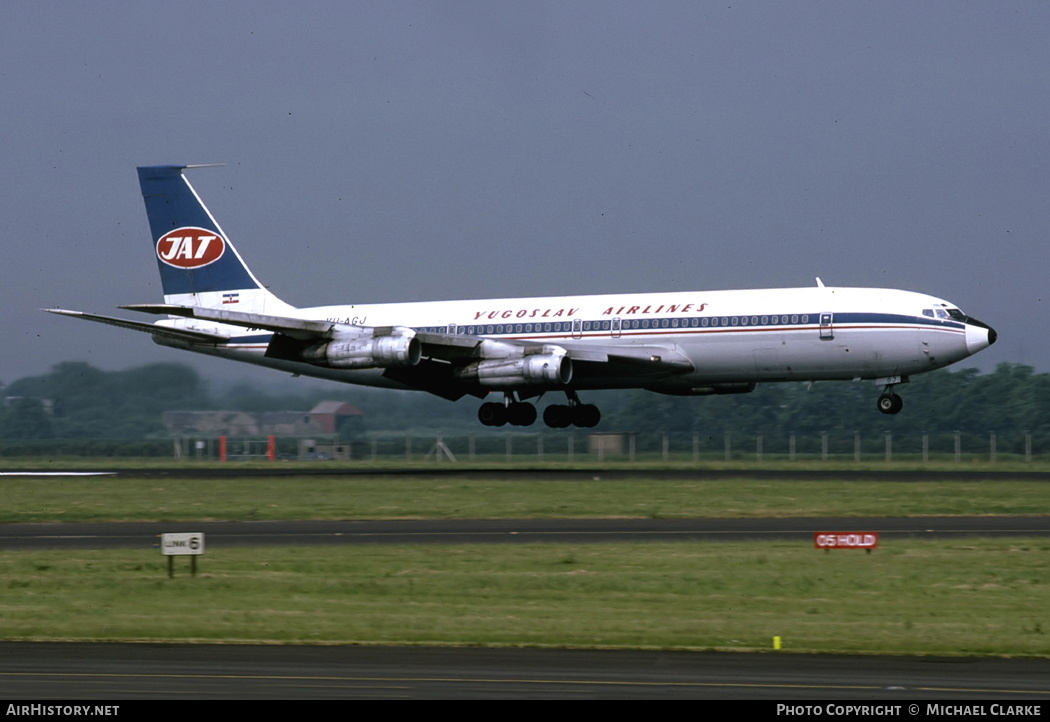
(190, 247)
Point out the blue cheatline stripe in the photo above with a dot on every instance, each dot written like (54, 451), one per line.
(694, 324)
(563, 329)
(170, 204)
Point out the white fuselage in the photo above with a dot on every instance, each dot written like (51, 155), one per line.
(740, 336)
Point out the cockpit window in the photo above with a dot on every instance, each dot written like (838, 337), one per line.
(944, 313)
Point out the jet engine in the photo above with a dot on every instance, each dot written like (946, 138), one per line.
(541, 369)
(365, 351)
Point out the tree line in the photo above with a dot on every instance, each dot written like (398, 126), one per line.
(77, 401)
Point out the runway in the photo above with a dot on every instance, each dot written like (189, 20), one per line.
(496, 473)
(110, 535)
(55, 671)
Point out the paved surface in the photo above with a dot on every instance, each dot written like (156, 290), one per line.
(38, 671)
(495, 473)
(472, 531)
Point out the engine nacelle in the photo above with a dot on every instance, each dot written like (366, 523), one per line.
(547, 369)
(366, 351)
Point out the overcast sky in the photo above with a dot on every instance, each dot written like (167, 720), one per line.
(387, 151)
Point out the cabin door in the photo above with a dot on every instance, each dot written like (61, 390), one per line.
(827, 331)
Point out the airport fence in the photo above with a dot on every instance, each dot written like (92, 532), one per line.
(574, 446)
(519, 446)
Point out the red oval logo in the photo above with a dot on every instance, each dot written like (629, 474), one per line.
(190, 247)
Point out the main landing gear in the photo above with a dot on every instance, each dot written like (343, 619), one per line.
(515, 413)
(557, 416)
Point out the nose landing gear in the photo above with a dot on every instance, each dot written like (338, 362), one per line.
(890, 403)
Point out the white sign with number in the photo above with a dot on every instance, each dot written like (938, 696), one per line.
(180, 544)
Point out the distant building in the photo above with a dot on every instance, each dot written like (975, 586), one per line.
(331, 414)
(323, 419)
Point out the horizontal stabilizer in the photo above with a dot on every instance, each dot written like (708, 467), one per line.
(177, 334)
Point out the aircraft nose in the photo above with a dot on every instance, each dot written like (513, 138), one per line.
(978, 335)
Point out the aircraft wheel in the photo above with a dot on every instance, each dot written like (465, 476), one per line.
(586, 415)
(521, 414)
(491, 414)
(890, 403)
(557, 416)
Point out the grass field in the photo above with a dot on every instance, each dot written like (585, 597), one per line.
(79, 499)
(980, 596)
(984, 597)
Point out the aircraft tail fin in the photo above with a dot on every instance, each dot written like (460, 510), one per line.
(198, 264)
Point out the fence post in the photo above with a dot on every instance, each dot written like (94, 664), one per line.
(958, 447)
(991, 446)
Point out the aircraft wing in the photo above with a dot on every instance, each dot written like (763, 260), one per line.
(451, 347)
(441, 346)
(178, 334)
(444, 364)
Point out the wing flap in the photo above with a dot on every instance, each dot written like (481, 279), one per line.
(298, 328)
(652, 357)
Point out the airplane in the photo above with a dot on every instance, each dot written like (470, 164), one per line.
(690, 343)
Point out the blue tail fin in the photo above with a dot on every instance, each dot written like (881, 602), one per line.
(198, 264)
